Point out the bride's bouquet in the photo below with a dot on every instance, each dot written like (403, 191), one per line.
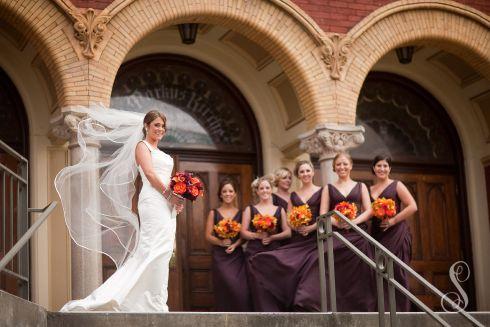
(348, 209)
(185, 185)
(384, 208)
(264, 223)
(227, 228)
(300, 216)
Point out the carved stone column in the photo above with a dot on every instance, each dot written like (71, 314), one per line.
(326, 140)
(86, 266)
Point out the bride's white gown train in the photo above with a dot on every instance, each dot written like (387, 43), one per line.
(140, 284)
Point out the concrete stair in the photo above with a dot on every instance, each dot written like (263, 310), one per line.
(17, 312)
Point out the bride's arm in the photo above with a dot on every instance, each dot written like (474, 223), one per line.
(143, 158)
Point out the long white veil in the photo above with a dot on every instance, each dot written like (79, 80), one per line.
(97, 192)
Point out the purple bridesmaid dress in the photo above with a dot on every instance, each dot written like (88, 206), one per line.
(292, 277)
(231, 291)
(262, 300)
(354, 280)
(398, 240)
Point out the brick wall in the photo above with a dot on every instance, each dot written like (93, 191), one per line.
(331, 15)
(341, 15)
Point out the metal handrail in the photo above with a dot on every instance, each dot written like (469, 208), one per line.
(27, 236)
(383, 265)
(12, 152)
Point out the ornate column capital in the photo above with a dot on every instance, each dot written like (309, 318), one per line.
(64, 127)
(326, 140)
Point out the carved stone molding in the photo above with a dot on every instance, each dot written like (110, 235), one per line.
(327, 140)
(89, 28)
(64, 127)
(334, 53)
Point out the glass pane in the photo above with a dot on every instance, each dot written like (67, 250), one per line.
(403, 120)
(204, 110)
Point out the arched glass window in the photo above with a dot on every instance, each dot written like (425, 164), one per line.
(204, 110)
(403, 120)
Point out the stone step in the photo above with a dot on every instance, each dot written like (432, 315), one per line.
(17, 312)
(189, 319)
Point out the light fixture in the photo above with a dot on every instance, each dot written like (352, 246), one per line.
(405, 54)
(188, 32)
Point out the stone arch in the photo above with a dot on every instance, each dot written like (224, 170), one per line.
(41, 22)
(451, 26)
(284, 30)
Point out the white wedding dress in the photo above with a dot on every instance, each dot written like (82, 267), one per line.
(140, 284)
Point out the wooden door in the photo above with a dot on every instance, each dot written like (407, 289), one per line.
(435, 228)
(193, 251)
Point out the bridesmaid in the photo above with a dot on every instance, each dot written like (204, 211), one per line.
(282, 180)
(259, 241)
(354, 280)
(394, 233)
(231, 289)
(295, 283)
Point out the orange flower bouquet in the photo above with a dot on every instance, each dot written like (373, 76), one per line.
(186, 186)
(264, 223)
(348, 209)
(384, 208)
(300, 216)
(227, 228)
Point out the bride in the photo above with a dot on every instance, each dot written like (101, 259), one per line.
(99, 215)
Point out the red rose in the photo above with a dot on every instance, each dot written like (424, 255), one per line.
(180, 188)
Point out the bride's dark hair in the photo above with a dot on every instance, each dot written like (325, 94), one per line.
(151, 116)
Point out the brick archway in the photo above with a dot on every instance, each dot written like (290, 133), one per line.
(41, 22)
(281, 28)
(451, 26)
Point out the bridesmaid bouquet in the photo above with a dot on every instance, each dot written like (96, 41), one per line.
(348, 209)
(227, 228)
(186, 186)
(264, 223)
(384, 208)
(300, 216)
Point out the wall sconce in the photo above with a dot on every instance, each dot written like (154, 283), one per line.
(188, 32)
(405, 54)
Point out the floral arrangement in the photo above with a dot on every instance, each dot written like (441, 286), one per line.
(384, 208)
(186, 186)
(264, 223)
(300, 216)
(227, 228)
(348, 209)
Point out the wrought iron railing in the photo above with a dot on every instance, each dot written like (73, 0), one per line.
(383, 265)
(14, 219)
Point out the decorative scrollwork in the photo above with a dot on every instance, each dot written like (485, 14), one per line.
(89, 29)
(328, 140)
(334, 53)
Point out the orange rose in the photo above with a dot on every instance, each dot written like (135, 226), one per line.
(194, 191)
(180, 188)
(195, 180)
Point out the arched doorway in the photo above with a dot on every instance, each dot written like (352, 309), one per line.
(405, 121)
(212, 132)
(14, 132)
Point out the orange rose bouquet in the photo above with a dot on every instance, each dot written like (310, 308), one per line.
(348, 209)
(264, 223)
(227, 228)
(186, 186)
(300, 216)
(384, 208)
